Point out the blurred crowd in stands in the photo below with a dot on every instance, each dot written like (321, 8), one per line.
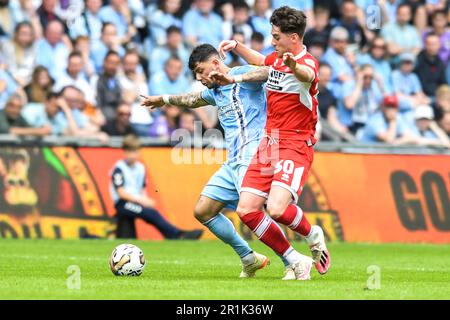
(77, 68)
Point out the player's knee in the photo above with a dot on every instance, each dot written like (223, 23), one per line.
(274, 210)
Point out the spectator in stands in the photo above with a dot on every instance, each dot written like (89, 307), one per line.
(109, 41)
(202, 25)
(429, 67)
(173, 47)
(9, 18)
(320, 34)
(187, 121)
(51, 114)
(132, 80)
(239, 24)
(25, 11)
(406, 84)
(257, 43)
(53, 52)
(73, 99)
(418, 14)
(20, 53)
(40, 86)
(442, 102)
(120, 126)
(171, 80)
(12, 122)
(349, 21)
(327, 101)
(47, 14)
(7, 87)
(336, 56)
(83, 46)
(387, 125)
(109, 92)
(377, 58)
(439, 27)
(89, 23)
(118, 13)
(128, 191)
(427, 130)
(74, 76)
(160, 20)
(260, 20)
(444, 123)
(362, 97)
(400, 36)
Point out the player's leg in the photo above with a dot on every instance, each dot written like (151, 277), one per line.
(152, 216)
(289, 179)
(220, 192)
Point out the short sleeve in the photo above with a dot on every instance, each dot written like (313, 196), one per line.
(270, 59)
(118, 178)
(208, 96)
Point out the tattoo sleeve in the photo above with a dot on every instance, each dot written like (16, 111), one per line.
(260, 74)
(189, 100)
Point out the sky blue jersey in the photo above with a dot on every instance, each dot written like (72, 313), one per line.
(242, 113)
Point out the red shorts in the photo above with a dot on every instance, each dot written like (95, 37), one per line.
(283, 163)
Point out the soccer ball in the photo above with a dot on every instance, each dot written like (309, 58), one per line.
(127, 260)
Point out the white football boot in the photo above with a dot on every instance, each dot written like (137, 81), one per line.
(249, 270)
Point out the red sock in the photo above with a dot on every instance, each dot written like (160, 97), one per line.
(267, 231)
(294, 218)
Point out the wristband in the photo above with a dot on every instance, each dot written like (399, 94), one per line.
(165, 98)
(238, 78)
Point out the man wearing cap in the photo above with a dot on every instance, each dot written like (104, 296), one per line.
(426, 129)
(387, 125)
(406, 84)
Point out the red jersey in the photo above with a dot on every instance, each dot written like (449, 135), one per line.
(291, 104)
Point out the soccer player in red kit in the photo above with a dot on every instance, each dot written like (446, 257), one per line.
(280, 168)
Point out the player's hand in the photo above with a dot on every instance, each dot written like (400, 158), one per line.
(152, 102)
(220, 78)
(288, 59)
(225, 46)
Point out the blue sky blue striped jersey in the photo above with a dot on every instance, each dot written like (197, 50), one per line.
(242, 112)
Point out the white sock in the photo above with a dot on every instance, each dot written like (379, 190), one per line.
(292, 256)
(313, 236)
(248, 259)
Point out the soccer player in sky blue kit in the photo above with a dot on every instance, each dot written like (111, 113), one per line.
(242, 114)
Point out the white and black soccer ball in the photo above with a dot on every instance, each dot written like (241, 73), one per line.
(127, 260)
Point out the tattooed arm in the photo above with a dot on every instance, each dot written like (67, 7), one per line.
(188, 100)
(259, 74)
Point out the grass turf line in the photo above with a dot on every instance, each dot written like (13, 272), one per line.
(37, 269)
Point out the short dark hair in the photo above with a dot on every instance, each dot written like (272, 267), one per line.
(403, 4)
(172, 29)
(257, 36)
(105, 24)
(75, 53)
(111, 53)
(52, 95)
(289, 20)
(200, 54)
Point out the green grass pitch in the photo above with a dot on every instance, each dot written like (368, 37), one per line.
(37, 269)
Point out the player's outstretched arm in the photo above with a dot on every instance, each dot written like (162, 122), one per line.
(251, 56)
(188, 100)
(258, 75)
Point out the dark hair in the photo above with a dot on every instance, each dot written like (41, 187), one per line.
(431, 34)
(173, 29)
(325, 64)
(257, 36)
(403, 4)
(52, 95)
(438, 12)
(200, 54)
(241, 5)
(105, 24)
(289, 20)
(111, 53)
(75, 53)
